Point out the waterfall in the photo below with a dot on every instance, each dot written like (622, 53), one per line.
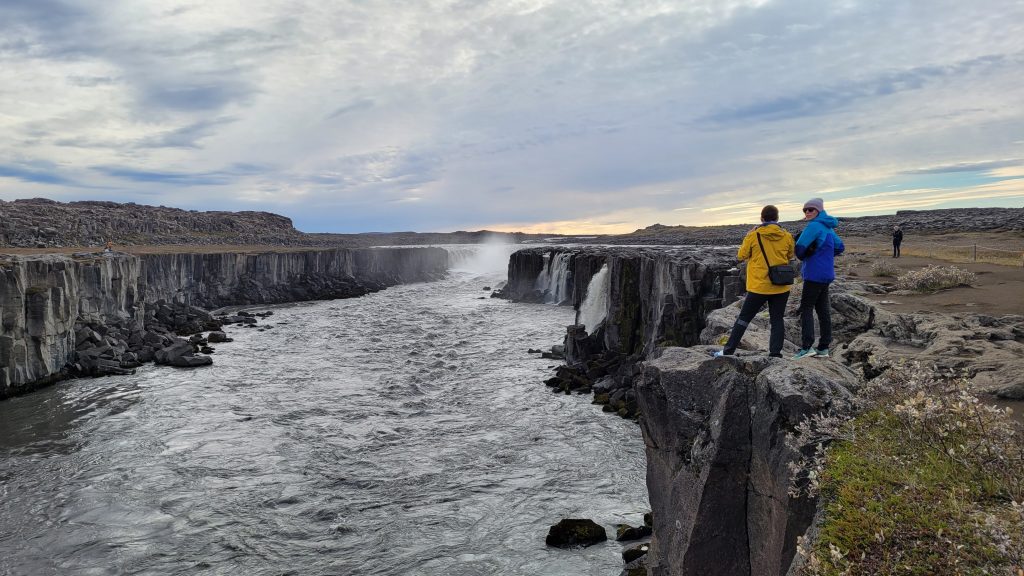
(553, 280)
(595, 306)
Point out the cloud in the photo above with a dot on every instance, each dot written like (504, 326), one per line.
(452, 114)
(968, 167)
(214, 178)
(39, 175)
(826, 99)
(362, 104)
(185, 136)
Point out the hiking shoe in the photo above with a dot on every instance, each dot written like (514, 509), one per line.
(804, 352)
(823, 353)
(718, 354)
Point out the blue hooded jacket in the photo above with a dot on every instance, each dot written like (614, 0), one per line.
(817, 247)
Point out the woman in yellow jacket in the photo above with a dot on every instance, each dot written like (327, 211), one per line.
(778, 245)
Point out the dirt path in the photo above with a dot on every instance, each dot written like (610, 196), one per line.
(999, 291)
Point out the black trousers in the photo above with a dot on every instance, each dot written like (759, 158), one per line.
(815, 299)
(895, 249)
(752, 304)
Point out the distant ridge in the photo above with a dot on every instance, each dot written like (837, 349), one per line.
(45, 223)
(913, 221)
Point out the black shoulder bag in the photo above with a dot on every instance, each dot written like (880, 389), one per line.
(781, 275)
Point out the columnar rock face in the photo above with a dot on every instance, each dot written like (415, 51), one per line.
(47, 302)
(223, 279)
(657, 296)
(717, 460)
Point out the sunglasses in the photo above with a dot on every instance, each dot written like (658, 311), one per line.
(809, 210)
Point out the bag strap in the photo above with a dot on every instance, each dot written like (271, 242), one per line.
(763, 253)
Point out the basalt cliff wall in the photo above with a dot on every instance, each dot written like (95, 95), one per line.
(655, 296)
(50, 304)
(714, 429)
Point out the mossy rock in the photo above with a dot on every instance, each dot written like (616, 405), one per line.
(601, 398)
(575, 532)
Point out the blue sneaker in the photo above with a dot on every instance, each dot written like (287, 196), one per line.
(823, 353)
(718, 354)
(804, 352)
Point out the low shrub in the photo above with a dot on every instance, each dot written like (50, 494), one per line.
(935, 278)
(884, 268)
(927, 479)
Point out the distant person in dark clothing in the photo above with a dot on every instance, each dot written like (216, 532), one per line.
(817, 247)
(778, 247)
(897, 239)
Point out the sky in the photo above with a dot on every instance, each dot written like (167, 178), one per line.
(561, 116)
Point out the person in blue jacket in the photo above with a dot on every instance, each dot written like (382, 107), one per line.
(817, 247)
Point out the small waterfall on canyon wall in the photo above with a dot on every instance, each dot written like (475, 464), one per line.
(595, 306)
(554, 279)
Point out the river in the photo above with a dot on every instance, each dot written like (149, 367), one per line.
(406, 432)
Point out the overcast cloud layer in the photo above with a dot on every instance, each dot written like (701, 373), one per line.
(539, 115)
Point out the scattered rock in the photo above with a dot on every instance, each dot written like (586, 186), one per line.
(624, 532)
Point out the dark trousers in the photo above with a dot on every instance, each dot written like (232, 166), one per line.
(752, 304)
(895, 249)
(815, 299)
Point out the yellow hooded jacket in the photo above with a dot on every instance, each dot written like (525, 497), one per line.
(778, 244)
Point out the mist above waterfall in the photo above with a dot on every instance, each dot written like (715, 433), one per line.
(491, 256)
(595, 305)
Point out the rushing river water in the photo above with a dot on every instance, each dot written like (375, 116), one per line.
(405, 432)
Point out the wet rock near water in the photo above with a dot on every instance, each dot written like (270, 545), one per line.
(625, 532)
(631, 554)
(575, 533)
(112, 348)
(609, 377)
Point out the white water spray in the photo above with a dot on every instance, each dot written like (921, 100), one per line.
(491, 256)
(594, 308)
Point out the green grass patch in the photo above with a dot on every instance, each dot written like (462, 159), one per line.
(925, 481)
(899, 508)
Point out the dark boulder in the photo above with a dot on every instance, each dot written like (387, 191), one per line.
(575, 532)
(624, 532)
(181, 354)
(217, 337)
(631, 554)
